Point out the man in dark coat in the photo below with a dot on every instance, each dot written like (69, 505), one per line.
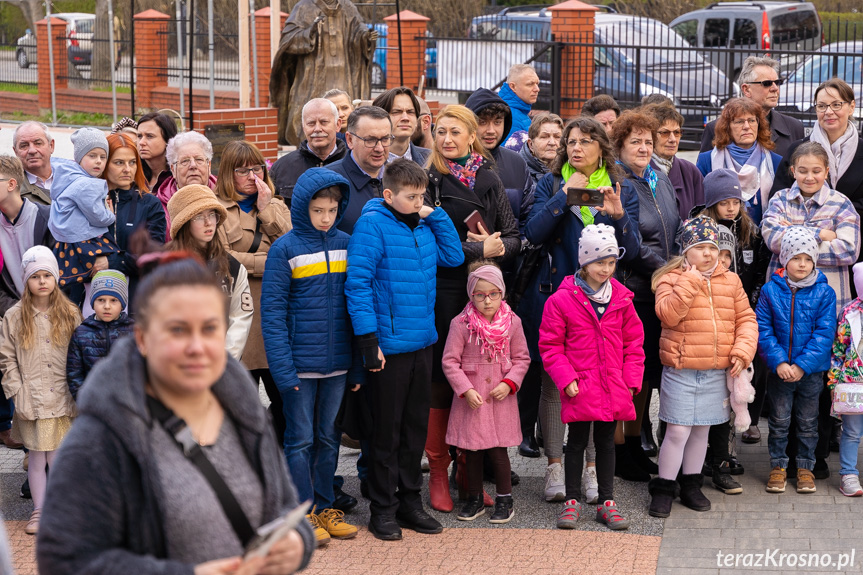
(404, 109)
(783, 129)
(320, 148)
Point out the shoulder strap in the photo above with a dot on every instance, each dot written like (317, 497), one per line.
(256, 242)
(181, 433)
(555, 184)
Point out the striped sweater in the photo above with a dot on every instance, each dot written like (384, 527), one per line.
(827, 209)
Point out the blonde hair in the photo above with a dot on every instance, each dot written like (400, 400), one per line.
(63, 315)
(464, 115)
(673, 264)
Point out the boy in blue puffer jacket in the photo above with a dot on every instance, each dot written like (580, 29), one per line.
(796, 323)
(307, 338)
(393, 257)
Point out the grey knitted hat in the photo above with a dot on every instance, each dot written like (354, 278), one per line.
(798, 240)
(86, 139)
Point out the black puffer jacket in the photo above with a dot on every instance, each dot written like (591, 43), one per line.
(91, 342)
(658, 224)
(288, 169)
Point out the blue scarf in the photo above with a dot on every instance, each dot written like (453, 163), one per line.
(248, 204)
(741, 155)
(649, 176)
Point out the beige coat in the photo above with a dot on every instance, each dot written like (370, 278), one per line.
(35, 378)
(238, 234)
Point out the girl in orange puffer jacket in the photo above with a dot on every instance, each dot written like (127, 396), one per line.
(708, 326)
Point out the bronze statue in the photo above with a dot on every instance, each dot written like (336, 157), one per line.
(325, 44)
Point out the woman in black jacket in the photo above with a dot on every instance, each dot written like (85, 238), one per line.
(134, 206)
(461, 181)
(632, 136)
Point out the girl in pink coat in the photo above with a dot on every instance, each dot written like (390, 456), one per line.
(591, 341)
(485, 360)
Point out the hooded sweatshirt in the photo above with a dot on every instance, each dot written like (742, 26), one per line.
(520, 111)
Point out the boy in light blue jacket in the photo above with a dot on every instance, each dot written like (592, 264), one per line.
(393, 256)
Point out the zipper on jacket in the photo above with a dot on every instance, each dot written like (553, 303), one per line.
(791, 327)
(329, 308)
(664, 229)
(715, 330)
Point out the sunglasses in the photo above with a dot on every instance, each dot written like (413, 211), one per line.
(768, 83)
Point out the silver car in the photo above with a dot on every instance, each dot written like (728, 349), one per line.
(79, 40)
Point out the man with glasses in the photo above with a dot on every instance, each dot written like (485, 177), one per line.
(404, 110)
(369, 138)
(759, 81)
(320, 148)
(188, 155)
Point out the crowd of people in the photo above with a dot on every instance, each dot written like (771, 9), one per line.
(424, 288)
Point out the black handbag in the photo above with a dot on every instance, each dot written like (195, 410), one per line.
(530, 261)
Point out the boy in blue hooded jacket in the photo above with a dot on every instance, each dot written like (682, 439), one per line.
(796, 314)
(393, 256)
(307, 338)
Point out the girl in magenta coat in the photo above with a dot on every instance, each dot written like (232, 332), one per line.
(485, 360)
(591, 341)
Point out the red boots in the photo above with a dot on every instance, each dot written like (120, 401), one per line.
(439, 460)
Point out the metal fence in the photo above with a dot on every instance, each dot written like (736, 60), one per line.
(16, 63)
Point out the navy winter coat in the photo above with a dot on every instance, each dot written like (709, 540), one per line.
(804, 339)
(392, 273)
(91, 342)
(304, 317)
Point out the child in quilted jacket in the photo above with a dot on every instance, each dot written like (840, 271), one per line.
(796, 321)
(708, 326)
(485, 360)
(591, 343)
(846, 366)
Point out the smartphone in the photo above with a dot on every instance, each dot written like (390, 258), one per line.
(268, 534)
(584, 197)
(473, 221)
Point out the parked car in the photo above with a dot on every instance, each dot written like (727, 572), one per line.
(841, 59)
(79, 40)
(379, 64)
(752, 28)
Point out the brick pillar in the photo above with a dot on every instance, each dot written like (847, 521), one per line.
(574, 21)
(58, 31)
(151, 55)
(413, 50)
(264, 63)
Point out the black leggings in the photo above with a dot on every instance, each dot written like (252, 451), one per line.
(603, 440)
(499, 460)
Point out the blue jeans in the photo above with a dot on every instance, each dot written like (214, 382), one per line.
(802, 397)
(311, 437)
(852, 429)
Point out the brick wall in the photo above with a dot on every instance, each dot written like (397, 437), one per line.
(261, 126)
(574, 21)
(17, 102)
(413, 55)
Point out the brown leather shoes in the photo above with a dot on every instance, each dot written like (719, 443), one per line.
(751, 435)
(6, 438)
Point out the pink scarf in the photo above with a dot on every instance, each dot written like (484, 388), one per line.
(467, 173)
(493, 336)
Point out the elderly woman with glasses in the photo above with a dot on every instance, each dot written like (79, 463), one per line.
(189, 155)
(837, 134)
(256, 218)
(743, 144)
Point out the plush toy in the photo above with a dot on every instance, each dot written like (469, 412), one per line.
(741, 393)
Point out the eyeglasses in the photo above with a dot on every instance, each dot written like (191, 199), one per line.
(479, 296)
(397, 112)
(768, 83)
(243, 172)
(207, 217)
(5, 179)
(835, 106)
(666, 133)
(739, 123)
(584, 142)
(372, 143)
(186, 162)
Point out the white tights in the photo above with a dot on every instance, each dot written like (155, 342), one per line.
(684, 445)
(38, 476)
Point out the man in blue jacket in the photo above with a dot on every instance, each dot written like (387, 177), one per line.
(393, 257)
(520, 93)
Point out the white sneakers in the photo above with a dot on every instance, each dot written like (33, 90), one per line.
(590, 485)
(849, 486)
(555, 490)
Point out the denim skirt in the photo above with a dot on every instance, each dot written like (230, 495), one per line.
(693, 397)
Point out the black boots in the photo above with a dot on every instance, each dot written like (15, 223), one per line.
(690, 492)
(662, 494)
(625, 466)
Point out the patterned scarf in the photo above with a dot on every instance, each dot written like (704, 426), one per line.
(466, 174)
(839, 153)
(596, 180)
(649, 176)
(492, 336)
(664, 165)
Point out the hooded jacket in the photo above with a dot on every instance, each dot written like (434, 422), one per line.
(509, 166)
(392, 272)
(288, 169)
(110, 451)
(78, 210)
(796, 327)
(304, 316)
(605, 356)
(520, 111)
(91, 342)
